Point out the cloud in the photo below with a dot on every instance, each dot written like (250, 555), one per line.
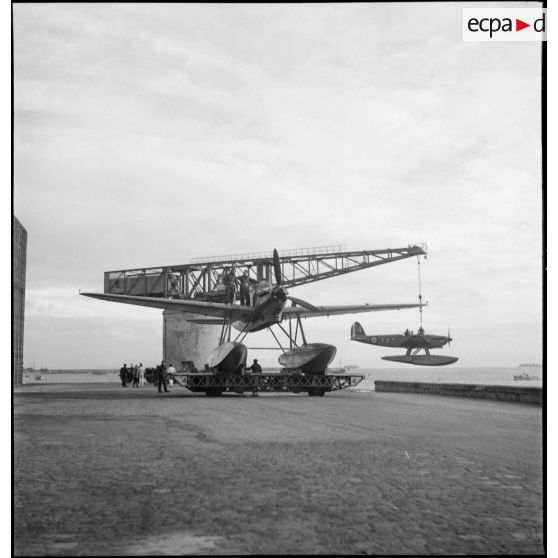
(148, 134)
(89, 342)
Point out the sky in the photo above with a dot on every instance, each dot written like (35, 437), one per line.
(150, 134)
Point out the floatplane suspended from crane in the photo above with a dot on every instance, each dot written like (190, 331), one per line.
(269, 309)
(414, 343)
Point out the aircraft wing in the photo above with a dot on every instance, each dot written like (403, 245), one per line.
(295, 311)
(216, 309)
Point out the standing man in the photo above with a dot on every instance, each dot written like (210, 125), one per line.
(256, 369)
(171, 371)
(162, 377)
(233, 284)
(244, 289)
(135, 376)
(226, 283)
(141, 374)
(229, 280)
(123, 375)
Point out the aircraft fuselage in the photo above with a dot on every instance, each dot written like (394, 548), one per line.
(404, 341)
(268, 310)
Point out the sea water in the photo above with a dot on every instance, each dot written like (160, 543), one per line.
(71, 376)
(502, 376)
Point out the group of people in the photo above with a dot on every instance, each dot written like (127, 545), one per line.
(164, 376)
(133, 374)
(231, 282)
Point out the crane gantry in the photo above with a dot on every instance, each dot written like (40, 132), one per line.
(201, 278)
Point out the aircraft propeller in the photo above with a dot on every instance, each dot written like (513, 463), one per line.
(278, 280)
(449, 338)
(277, 267)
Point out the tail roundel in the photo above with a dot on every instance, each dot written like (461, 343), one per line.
(357, 331)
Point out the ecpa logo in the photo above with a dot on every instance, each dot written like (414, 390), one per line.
(504, 24)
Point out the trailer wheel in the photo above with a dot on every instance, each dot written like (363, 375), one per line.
(316, 391)
(213, 392)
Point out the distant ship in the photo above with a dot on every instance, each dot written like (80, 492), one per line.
(351, 366)
(526, 377)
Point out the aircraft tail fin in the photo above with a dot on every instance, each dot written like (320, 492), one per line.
(357, 331)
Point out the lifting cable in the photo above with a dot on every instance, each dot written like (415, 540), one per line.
(420, 291)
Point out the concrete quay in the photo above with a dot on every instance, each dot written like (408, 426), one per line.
(102, 470)
(477, 391)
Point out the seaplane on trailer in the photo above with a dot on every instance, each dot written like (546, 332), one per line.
(304, 364)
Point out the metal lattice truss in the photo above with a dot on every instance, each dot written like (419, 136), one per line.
(202, 278)
(265, 382)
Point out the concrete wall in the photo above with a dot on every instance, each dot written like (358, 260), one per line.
(19, 262)
(183, 340)
(479, 391)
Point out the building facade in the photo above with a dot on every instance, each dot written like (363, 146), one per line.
(19, 261)
(187, 344)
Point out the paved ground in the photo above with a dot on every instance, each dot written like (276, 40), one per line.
(101, 470)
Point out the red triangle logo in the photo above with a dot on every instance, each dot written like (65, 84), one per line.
(519, 25)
